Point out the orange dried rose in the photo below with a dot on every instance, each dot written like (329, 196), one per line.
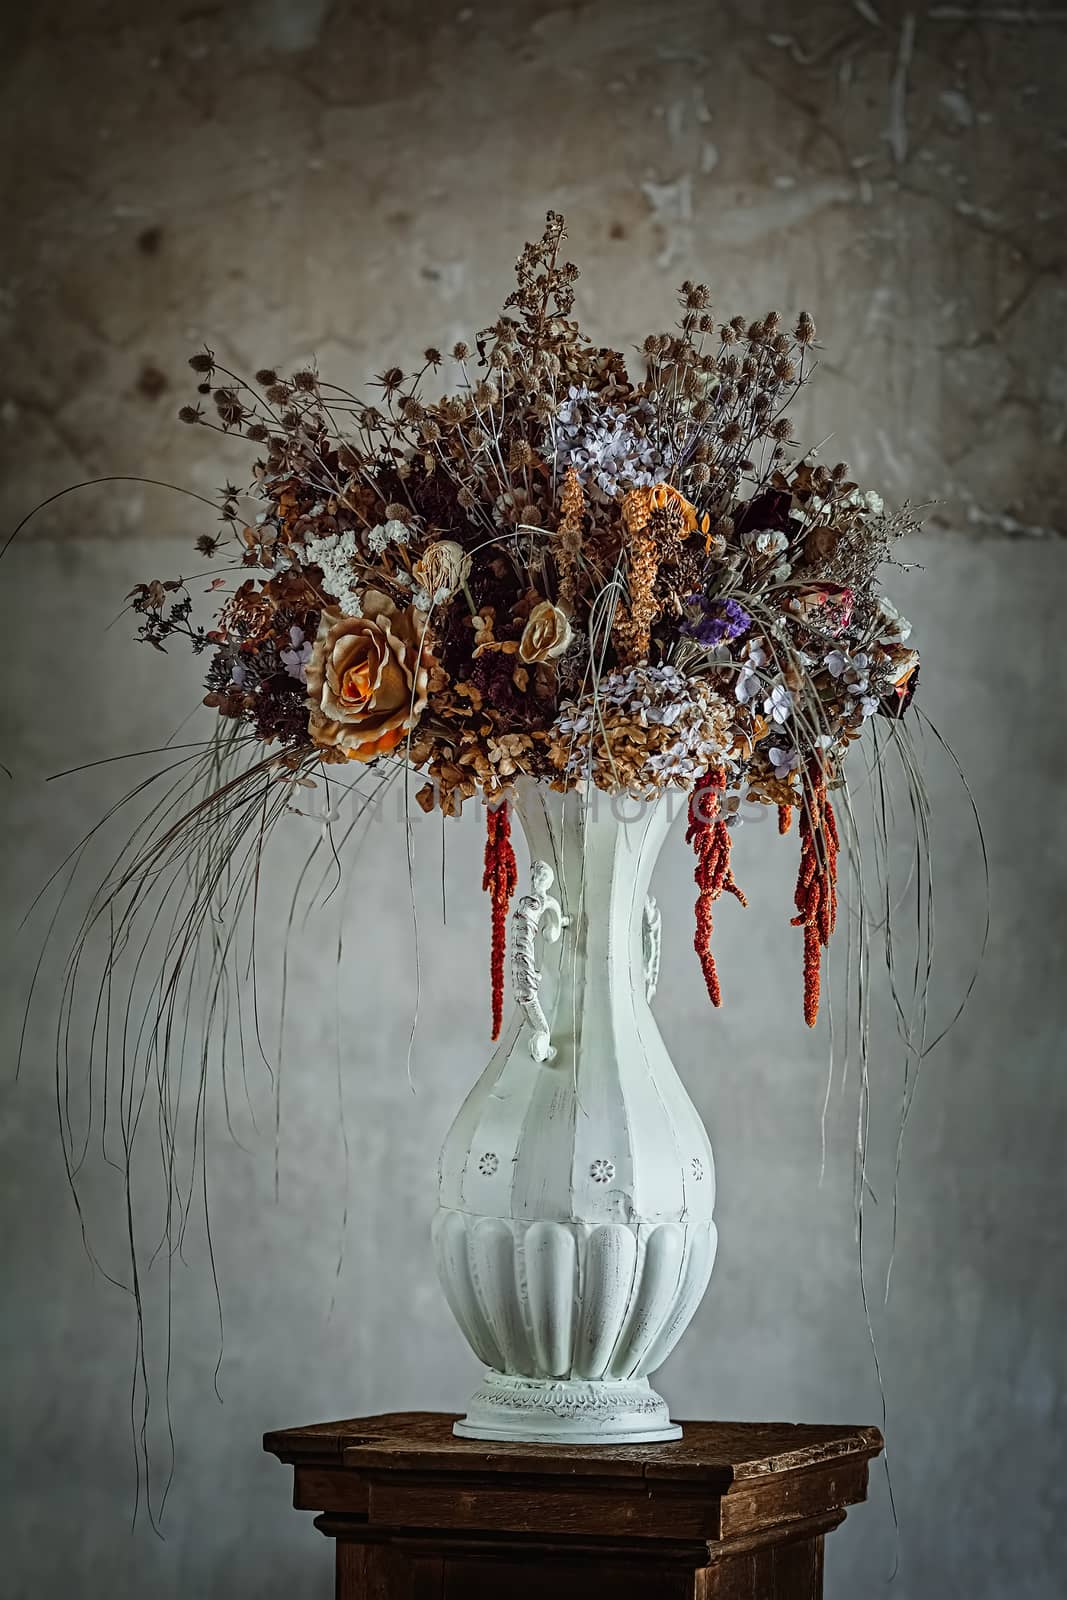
(367, 677)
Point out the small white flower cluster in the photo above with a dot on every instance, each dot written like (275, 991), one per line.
(769, 543)
(686, 759)
(392, 532)
(650, 694)
(851, 671)
(606, 445)
(334, 553)
(867, 501)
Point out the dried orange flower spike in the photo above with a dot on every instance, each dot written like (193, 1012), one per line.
(569, 534)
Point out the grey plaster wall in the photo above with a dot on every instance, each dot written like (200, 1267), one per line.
(294, 177)
(283, 180)
(971, 1342)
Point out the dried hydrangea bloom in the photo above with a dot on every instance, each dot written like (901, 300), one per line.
(649, 727)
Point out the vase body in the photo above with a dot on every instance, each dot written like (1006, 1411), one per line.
(574, 1236)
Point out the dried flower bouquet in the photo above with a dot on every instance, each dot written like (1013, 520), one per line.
(561, 571)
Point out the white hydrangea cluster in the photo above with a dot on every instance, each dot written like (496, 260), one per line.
(606, 445)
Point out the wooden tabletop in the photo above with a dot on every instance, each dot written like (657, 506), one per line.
(721, 1480)
(716, 1453)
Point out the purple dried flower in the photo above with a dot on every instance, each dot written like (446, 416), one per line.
(721, 621)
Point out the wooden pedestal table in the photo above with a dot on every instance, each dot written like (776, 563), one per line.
(733, 1510)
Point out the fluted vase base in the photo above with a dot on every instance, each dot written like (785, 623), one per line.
(567, 1411)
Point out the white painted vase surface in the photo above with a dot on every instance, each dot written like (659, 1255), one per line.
(574, 1237)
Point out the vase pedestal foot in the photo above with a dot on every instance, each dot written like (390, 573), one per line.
(567, 1411)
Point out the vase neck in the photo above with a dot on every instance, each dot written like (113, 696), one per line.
(602, 850)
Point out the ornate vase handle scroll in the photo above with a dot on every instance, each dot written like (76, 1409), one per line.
(536, 912)
(651, 922)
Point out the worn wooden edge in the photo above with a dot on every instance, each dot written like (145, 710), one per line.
(331, 1487)
(326, 1439)
(642, 1462)
(695, 1551)
(321, 1487)
(385, 1443)
(793, 1497)
(526, 1505)
(464, 1541)
(846, 1443)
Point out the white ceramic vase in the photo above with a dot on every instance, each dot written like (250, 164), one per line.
(574, 1238)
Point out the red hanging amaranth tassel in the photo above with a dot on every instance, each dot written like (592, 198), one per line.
(499, 880)
(815, 896)
(710, 838)
(785, 818)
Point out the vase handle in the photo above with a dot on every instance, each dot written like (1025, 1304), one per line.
(537, 912)
(651, 924)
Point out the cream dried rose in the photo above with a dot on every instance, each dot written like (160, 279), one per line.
(367, 678)
(547, 633)
(442, 569)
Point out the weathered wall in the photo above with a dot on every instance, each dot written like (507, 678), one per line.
(972, 1341)
(282, 179)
